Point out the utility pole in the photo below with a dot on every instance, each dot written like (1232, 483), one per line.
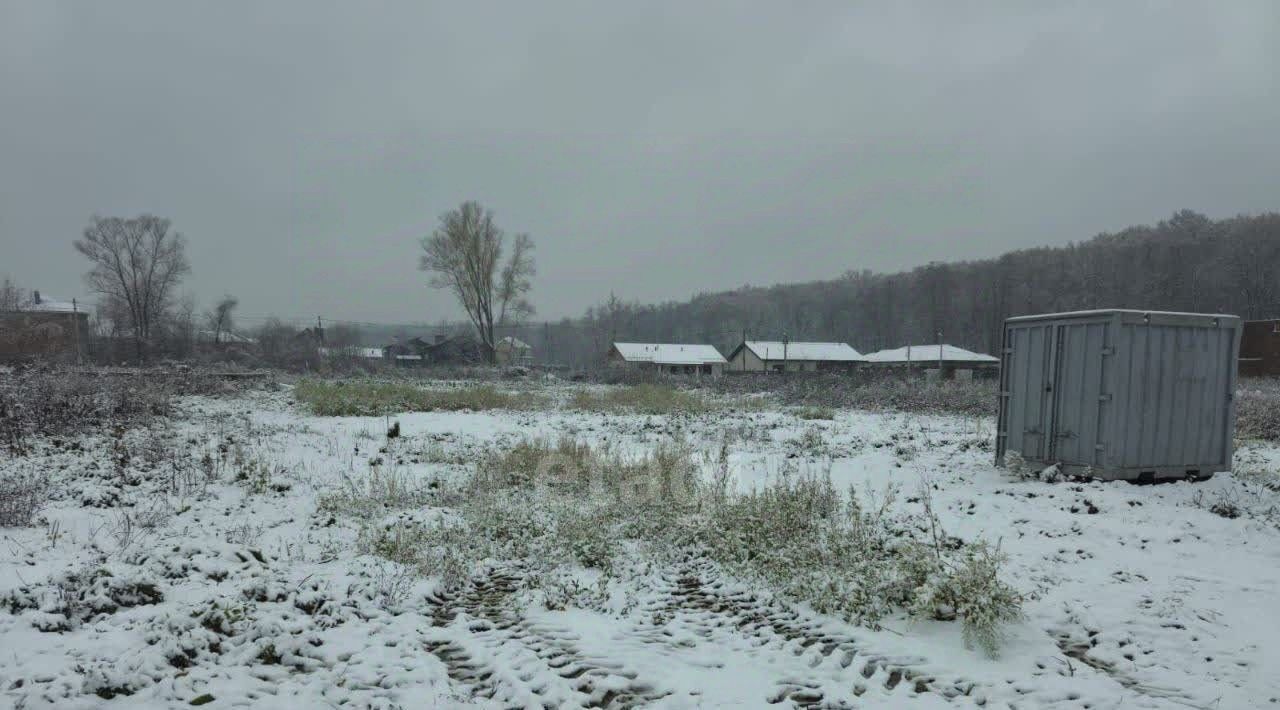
(785, 340)
(319, 330)
(75, 328)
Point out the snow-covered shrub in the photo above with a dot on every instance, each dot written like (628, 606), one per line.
(78, 596)
(966, 586)
(1258, 410)
(810, 443)
(448, 549)
(1014, 462)
(1226, 504)
(800, 537)
(22, 495)
(858, 557)
(560, 592)
(589, 537)
(58, 402)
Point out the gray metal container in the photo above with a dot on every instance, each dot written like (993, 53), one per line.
(1120, 394)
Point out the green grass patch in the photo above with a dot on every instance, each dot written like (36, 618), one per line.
(641, 399)
(354, 399)
(812, 413)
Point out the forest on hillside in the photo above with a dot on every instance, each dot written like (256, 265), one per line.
(1185, 263)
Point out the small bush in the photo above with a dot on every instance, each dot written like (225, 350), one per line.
(44, 403)
(74, 597)
(854, 558)
(346, 399)
(811, 413)
(22, 495)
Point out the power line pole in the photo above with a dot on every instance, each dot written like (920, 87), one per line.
(75, 327)
(940, 372)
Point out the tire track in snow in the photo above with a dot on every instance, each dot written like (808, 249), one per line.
(841, 669)
(695, 598)
(504, 657)
(492, 652)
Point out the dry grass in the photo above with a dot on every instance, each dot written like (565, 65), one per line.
(641, 399)
(551, 507)
(367, 398)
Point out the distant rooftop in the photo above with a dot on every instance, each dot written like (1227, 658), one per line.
(45, 304)
(821, 352)
(669, 353)
(929, 353)
(514, 343)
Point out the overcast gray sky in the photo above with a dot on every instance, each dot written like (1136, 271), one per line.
(654, 150)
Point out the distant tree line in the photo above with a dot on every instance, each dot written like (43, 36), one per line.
(1185, 263)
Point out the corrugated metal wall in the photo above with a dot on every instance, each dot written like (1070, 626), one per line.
(1120, 391)
(1174, 413)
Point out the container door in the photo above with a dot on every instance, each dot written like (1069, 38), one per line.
(1027, 389)
(1080, 365)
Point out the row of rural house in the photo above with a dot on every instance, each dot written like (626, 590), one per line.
(779, 356)
(48, 328)
(441, 350)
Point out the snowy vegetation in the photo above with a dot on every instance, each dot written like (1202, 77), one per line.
(175, 541)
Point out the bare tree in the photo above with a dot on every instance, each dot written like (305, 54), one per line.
(220, 317)
(464, 255)
(136, 263)
(11, 296)
(179, 328)
(342, 336)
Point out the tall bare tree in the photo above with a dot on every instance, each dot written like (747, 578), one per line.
(11, 296)
(465, 255)
(136, 263)
(220, 317)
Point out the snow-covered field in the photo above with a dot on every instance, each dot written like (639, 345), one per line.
(218, 576)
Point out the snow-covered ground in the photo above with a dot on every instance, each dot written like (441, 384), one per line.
(220, 580)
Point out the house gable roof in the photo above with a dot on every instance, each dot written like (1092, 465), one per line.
(669, 353)
(929, 353)
(514, 343)
(817, 352)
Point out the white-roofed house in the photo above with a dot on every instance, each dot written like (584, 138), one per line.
(948, 361)
(44, 328)
(669, 358)
(513, 351)
(777, 356)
